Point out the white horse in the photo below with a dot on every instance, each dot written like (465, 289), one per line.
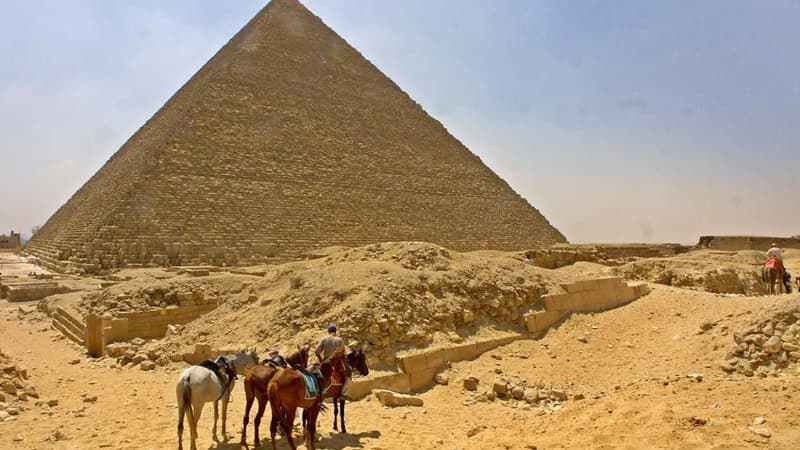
(198, 385)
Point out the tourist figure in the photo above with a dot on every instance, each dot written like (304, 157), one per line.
(775, 252)
(774, 271)
(327, 346)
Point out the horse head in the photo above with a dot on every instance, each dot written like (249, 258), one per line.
(357, 359)
(298, 358)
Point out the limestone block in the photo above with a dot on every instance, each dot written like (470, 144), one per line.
(610, 282)
(556, 301)
(389, 398)
(461, 352)
(413, 363)
(421, 379)
(434, 359)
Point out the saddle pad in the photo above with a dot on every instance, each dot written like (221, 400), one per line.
(311, 386)
(774, 264)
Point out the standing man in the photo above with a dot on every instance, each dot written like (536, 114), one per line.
(325, 349)
(329, 344)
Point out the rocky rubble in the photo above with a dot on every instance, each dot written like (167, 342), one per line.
(518, 393)
(137, 352)
(15, 389)
(768, 345)
(131, 297)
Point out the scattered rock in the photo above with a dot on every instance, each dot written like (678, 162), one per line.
(441, 378)
(697, 421)
(75, 361)
(389, 398)
(763, 432)
(471, 384)
(583, 339)
(759, 420)
(147, 365)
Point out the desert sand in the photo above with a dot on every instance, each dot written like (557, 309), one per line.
(650, 374)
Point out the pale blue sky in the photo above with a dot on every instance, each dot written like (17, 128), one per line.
(622, 121)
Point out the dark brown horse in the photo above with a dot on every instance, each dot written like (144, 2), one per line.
(287, 392)
(255, 387)
(357, 361)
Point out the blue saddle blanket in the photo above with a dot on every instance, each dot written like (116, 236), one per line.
(311, 386)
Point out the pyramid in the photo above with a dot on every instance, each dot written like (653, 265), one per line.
(287, 140)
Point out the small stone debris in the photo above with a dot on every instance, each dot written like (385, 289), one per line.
(442, 378)
(75, 361)
(471, 383)
(583, 339)
(759, 420)
(760, 431)
(697, 421)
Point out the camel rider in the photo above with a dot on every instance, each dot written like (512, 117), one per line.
(327, 346)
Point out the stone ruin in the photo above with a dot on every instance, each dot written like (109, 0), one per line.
(287, 140)
(15, 389)
(768, 345)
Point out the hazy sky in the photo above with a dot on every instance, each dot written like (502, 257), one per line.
(621, 121)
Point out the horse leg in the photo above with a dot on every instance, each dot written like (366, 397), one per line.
(249, 397)
(262, 405)
(335, 413)
(273, 428)
(313, 412)
(216, 416)
(197, 408)
(286, 425)
(225, 418)
(341, 414)
(181, 412)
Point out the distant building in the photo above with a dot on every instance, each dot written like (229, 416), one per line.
(12, 242)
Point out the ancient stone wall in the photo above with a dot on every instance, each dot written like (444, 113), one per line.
(733, 243)
(418, 370)
(287, 140)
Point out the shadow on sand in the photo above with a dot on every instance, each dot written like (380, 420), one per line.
(334, 442)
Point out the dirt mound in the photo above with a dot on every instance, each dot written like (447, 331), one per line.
(390, 296)
(712, 271)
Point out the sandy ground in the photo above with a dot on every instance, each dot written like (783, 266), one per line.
(633, 370)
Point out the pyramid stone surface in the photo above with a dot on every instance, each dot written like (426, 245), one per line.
(288, 139)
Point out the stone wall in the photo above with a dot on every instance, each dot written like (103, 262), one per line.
(733, 243)
(584, 296)
(101, 331)
(417, 370)
(23, 291)
(285, 142)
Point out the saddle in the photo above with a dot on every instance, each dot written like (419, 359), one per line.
(277, 362)
(223, 371)
(312, 374)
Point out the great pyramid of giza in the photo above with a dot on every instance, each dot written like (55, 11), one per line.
(287, 140)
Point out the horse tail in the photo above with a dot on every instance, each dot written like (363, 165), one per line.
(187, 401)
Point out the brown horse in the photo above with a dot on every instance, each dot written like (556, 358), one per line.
(287, 392)
(356, 360)
(255, 387)
(773, 273)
